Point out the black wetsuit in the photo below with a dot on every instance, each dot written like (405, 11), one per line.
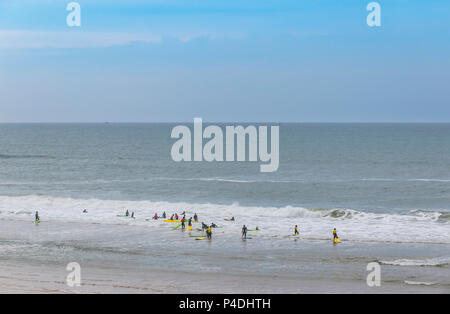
(244, 232)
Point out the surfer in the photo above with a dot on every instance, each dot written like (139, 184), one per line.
(209, 233)
(204, 226)
(244, 232)
(190, 222)
(156, 216)
(85, 211)
(213, 225)
(176, 216)
(296, 230)
(164, 215)
(195, 217)
(36, 216)
(127, 213)
(182, 223)
(132, 215)
(335, 236)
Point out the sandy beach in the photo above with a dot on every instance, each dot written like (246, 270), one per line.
(30, 265)
(32, 277)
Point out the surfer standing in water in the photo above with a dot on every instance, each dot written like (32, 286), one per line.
(244, 232)
(296, 230)
(209, 233)
(335, 236)
(36, 216)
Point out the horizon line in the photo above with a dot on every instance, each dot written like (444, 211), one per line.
(245, 122)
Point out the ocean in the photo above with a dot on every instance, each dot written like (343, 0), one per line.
(385, 187)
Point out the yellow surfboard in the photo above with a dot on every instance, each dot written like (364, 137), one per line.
(168, 220)
(336, 240)
(189, 228)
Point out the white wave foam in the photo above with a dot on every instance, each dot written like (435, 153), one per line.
(438, 261)
(419, 283)
(274, 222)
(229, 180)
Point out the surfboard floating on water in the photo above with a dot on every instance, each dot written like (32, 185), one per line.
(176, 227)
(169, 220)
(37, 221)
(336, 240)
(200, 238)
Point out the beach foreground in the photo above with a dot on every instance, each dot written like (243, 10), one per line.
(30, 264)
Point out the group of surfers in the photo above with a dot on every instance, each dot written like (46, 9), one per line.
(204, 226)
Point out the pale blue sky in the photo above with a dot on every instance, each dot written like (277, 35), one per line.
(254, 60)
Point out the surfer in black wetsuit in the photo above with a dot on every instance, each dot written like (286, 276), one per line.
(127, 213)
(296, 230)
(132, 215)
(195, 217)
(164, 215)
(85, 211)
(244, 232)
(213, 225)
(204, 226)
(209, 233)
(335, 236)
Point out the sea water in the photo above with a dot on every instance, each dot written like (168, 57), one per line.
(385, 187)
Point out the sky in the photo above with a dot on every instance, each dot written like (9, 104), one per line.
(225, 60)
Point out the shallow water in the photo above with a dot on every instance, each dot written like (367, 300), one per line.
(385, 187)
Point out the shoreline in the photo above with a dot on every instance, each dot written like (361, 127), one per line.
(32, 277)
(139, 259)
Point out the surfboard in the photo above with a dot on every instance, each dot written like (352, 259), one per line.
(176, 227)
(122, 216)
(253, 229)
(200, 238)
(336, 240)
(189, 228)
(168, 220)
(37, 221)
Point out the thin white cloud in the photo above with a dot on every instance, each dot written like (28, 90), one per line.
(70, 39)
(23, 39)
